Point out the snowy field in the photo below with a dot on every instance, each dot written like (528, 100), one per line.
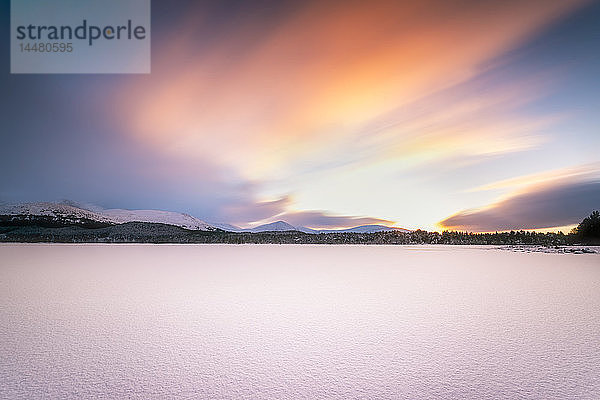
(297, 322)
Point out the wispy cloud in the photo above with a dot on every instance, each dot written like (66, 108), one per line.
(259, 95)
(577, 172)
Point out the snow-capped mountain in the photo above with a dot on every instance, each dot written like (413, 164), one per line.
(226, 227)
(156, 216)
(279, 226)
(71, 213)
(54, 211)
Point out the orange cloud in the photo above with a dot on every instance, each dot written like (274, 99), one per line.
(257, 97)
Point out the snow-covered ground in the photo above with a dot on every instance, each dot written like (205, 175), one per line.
(297, 322)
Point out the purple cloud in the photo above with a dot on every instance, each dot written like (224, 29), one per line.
(559, 204)
(250, 211)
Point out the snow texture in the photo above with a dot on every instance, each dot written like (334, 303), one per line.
(297, 322)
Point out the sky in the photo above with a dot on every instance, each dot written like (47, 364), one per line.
(447, 114)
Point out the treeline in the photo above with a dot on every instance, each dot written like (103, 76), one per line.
(588, 232)
(159, 233)
(415, 237)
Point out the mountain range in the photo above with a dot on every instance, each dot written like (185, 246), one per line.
(71, 213)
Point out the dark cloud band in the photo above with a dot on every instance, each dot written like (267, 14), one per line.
(549, 206)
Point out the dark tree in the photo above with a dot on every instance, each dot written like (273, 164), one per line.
(589, 229)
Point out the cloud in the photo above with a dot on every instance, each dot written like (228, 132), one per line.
(578, 172)
(285, 98)
(559, 203)
(263, 90)
(323, 220)
(353, 107)
(448, 126)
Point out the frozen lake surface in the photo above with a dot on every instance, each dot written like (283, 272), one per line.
(297, 322)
